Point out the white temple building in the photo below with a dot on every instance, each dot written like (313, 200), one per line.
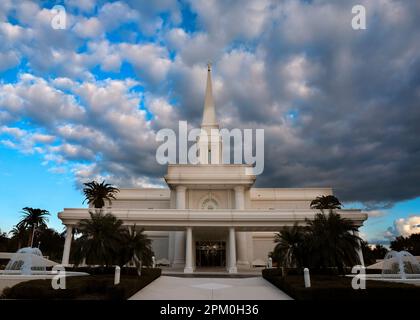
(210, 215)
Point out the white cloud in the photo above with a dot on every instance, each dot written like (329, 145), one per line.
(43, 138)
(73, 152)
(63, 83)
(233, 19)
(298, 72)
(149, 20)
(5, 7)
(196, 48)
(24, 140)
(408, 226)
(58, 170)
(27, 11)
(116, 13)
(102, 124)
(302, 23)
(11, 32)
(176, 38)
(375, 213)
(151, 61)
(15, 132)
(295, 68)
(105, 54)
(88, 28)
(163, 112)
(35, 98)
(8, 143)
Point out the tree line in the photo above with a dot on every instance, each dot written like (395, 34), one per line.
(100, 240)
(330, 241)
(324, 242)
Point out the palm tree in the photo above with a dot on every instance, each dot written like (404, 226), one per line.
(4, 241)
(332, 241)
(96, 193)
(291, 246)
(410, 244)
(100, 240)
(136, 247)
(327, 241)
(19, 234)
(33, 218)
(326, 202)
(105, 241)
(380, 251)
(51, 243)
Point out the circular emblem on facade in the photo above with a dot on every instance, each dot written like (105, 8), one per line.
(209, 204)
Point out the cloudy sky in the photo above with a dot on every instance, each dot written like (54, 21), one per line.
(340, 107)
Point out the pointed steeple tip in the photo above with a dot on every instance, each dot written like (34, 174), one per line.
(209, 114)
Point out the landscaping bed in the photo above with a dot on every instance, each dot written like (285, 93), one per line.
(336, 287)
(99, 285)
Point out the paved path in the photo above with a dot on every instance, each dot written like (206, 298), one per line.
(174, 288)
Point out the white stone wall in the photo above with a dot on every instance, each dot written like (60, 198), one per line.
(160, 244)
(263, 244)
(141, 204)
(147, 198)
(224, 198)
(258, 244)
(283, 198)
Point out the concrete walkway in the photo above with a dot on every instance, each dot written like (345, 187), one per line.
(174, 288)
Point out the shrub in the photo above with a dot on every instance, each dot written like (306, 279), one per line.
(299, 271)
(273, 272)
(98, 286)
(333, 287)
(132, 271)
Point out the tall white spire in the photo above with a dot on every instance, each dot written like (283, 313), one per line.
(209, 142)
(209, 114)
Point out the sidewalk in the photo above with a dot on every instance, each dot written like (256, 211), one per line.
(174, 288)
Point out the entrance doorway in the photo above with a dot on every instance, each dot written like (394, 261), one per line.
(210, 253)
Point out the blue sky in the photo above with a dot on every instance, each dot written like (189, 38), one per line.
(26, 182)
(339, 106)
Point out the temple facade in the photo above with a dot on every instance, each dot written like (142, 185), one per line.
(210, 215)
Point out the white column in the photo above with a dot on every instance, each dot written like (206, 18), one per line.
(179, 249)
(359, 251)
(232, 251)
(227, 253)
(171, 245)
(180, 197)
(67, 245)
(188, 252)
(241, 237)
(250, 247)
(239, 198)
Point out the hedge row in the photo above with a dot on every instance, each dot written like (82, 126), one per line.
(92, 287)
(321, 272)
(330, 287)
(131, 271)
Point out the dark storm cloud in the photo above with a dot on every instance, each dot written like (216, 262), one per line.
(359, 123)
